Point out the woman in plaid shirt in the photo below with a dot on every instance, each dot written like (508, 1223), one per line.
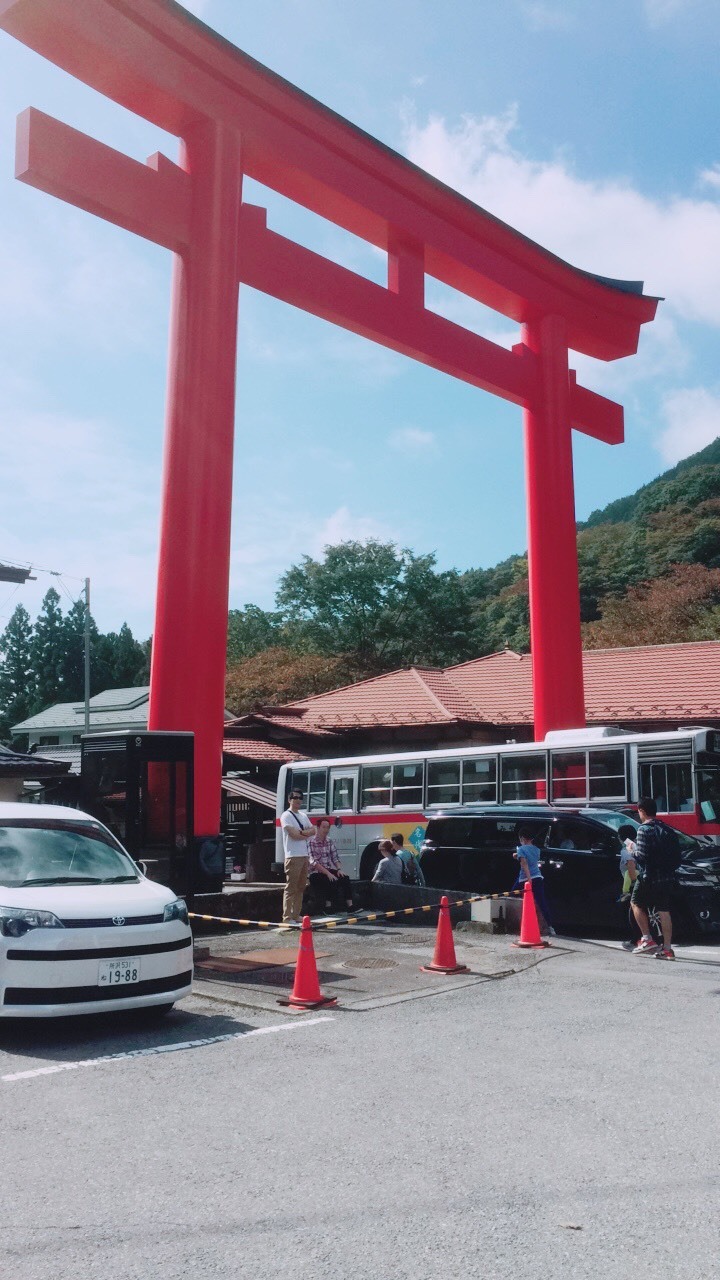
(325, 872)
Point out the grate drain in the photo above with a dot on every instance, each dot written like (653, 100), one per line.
(370, 962)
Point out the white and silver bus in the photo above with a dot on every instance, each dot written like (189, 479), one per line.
(370, 797)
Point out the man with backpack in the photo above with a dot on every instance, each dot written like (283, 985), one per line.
(411, 871)
(657, 857)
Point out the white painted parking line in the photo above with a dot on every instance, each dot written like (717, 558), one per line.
(162, 1048)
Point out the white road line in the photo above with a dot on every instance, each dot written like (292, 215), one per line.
(163, 1048)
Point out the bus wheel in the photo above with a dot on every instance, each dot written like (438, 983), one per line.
(369, 861)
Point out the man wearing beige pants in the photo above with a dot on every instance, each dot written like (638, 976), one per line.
(297, 829)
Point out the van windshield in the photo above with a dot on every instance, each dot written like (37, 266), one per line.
(46, 853)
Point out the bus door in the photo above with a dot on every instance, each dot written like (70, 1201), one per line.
(343, 794)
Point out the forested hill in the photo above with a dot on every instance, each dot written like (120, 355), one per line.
(649, 567)
(660, 491)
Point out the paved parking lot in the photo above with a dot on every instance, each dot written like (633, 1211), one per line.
(559, 1122)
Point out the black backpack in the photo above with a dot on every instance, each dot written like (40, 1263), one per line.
(668, 851)
(408, 870)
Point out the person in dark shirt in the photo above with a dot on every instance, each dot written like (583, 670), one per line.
(654, 885)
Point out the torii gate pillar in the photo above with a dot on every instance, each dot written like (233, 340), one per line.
(187, 682)
(555, 643)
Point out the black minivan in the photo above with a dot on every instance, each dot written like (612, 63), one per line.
(471, 850)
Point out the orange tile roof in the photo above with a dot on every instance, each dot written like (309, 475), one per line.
(650, 682)
(419, 695)
(256, 749)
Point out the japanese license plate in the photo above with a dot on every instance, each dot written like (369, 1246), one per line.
(119, 973)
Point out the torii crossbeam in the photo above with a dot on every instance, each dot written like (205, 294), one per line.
(236, 117)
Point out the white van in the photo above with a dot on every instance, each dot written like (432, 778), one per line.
(81, 928)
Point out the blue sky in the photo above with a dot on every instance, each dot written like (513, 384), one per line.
(593, 129)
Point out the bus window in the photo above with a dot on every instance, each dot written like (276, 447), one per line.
(670, 786)
(318, 791)
(479, 780)
(708, 784)
(443, 782)
(407, 784)
(607, 774)
(376, 785)
(524, 777)
(313, 784)
(569, 775)
(342, 792)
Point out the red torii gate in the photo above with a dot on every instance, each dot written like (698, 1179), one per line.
(236, 117)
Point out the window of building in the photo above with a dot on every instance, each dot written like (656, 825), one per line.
(51, 741)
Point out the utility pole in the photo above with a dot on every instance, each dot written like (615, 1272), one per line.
(87, 655)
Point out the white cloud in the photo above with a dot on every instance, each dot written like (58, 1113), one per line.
(605, 226)
(693, 418)
(546, 17)
(257, 563)
(710, 177)
(409, 440)
(658, 12)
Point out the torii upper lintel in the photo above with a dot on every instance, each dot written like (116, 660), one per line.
(235, 117)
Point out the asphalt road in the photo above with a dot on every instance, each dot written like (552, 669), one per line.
(559, 1123)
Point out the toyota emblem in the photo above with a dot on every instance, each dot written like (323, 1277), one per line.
(118, 919)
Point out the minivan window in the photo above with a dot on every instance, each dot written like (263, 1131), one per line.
(36, 853)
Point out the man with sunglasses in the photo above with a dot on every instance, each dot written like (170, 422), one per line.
(297, 829)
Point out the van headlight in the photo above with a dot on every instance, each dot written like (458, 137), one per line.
(16, 921)
(176, 910)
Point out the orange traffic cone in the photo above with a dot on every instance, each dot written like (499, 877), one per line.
(306, 993)
(529, 927)
(444, 960)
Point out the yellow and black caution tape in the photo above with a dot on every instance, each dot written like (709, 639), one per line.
(367, 917)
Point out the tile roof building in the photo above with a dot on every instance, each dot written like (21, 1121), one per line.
(63, 723)
(650, 687)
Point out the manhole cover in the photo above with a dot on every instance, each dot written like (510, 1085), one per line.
(371, 962)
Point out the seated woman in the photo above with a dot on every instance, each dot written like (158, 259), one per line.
(325, 872)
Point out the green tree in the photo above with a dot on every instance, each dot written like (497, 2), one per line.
(72, 656)
(16, 671)
(279, 675)
(119, 661)
(47, 652)
(251, 630)
(384, 606)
